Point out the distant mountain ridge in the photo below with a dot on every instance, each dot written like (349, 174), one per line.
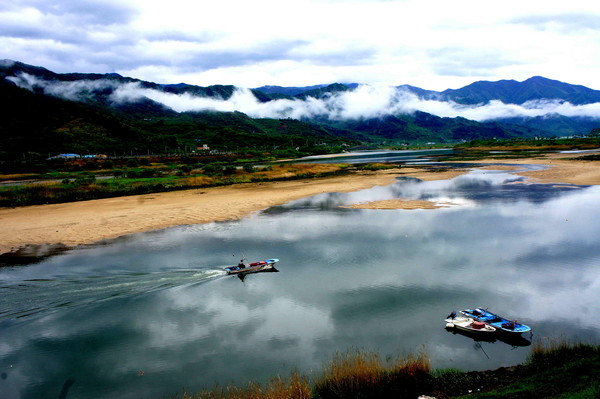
(513, 92)
(507, 91)
(45, 112)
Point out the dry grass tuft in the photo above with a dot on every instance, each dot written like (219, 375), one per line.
(292, 171)
(294, 387)
(199, 181)
(363, 374)
(550, 352)
(18, 176)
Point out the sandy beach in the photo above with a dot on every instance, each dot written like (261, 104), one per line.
(88, 222)
(561, 168)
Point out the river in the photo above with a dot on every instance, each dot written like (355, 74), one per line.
(153, 314)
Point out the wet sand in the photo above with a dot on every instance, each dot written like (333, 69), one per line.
(401, 203)
(88, 222)
(561, 168)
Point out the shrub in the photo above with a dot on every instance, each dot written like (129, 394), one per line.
(375, 166)
(187, 160)
(229, 170)
(249, 168)
(84, 179)
(133, 173)
(141, 173)
(212, 169)
(147, 172)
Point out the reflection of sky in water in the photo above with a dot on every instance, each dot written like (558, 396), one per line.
(401, 156)
(375, 279)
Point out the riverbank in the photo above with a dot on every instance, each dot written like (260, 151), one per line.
(552, 370)
(561, 168)
(87, 222)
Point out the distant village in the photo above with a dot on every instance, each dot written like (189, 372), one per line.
(203, 150)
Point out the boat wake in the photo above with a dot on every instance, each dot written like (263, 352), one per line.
(24, 298)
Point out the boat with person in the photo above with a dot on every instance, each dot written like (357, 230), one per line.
(468, 324)
(500, 323)
(255, 267)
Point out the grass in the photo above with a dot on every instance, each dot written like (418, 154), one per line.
(86, 187)
(361, 374)
(555, 369)
(376, 166)
(19, 176)
(507, 153)
(293, 387)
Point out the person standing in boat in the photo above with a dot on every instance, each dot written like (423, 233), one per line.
(241, 265)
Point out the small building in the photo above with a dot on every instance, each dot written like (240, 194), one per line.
(66, 156)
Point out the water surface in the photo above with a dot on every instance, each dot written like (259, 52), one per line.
(153, 314)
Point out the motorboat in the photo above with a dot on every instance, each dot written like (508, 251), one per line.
(500, 323)
(255, 267)
(468, 324)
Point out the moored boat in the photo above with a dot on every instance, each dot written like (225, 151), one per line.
(468, 324)
(498, 322)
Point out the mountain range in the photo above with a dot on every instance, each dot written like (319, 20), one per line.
(507, 91)
(46, 112)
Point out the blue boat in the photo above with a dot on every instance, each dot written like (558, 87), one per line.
(500, 323)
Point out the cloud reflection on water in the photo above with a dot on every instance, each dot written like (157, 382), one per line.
(376, 279)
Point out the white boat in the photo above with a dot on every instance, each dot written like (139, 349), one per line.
(469, 325)
(242, 269)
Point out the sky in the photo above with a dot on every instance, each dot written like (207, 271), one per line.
(432, 44)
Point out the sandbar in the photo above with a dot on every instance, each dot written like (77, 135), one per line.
(401, 203)
(88, 222)
(561, 168)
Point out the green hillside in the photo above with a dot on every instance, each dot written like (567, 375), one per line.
(37, 124)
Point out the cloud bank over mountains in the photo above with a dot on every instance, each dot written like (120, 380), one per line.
(363, 102)
(438, 44)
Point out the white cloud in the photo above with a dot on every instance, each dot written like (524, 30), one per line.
(366, 101)
(77, 90)
(250, 44)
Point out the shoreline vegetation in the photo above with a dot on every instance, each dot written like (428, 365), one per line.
(553, 369)
(34, 231)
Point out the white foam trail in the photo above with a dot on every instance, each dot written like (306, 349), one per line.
(39, 296)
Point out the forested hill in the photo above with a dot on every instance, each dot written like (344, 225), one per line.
(45, 113)
(506, 91)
